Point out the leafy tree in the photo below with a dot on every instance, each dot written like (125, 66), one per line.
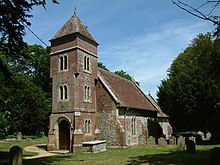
(125, 75)
(14, 16)
(101, 65)
(25, 104)
(191, 92)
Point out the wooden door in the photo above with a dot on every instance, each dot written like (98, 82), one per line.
(64, 135)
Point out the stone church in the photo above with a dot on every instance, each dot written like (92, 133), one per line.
(89, 103)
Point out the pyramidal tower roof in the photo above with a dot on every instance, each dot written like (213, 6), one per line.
(73, 25)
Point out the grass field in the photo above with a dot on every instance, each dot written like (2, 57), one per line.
(131, 155)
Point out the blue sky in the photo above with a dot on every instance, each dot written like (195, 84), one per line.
(141, 37)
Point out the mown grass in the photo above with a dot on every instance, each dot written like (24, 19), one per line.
(6, 145)
(132, 155)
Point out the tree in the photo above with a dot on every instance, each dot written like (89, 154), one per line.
(191, 92)
(126, 75)
(14, 16)
(204, 11)
(25, 104)
(101, 65)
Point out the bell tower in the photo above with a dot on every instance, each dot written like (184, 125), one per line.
(73, 69)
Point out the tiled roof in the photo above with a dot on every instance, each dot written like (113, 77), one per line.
(154, 102)
(73, 25)
(125, 92)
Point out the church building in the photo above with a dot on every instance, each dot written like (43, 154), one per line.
(89, 103)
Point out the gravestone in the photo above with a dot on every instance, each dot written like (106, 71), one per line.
(19, 136)
(141, 140)
(208, 135)
(15, 157)
(172, 141)
(162, 142)
(190, 146)
(181, 142)
(151, 141)
(201, 134)
(215, 156)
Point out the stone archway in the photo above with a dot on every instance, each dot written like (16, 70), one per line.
(64, 135)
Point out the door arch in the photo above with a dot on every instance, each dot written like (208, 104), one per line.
(64, 135)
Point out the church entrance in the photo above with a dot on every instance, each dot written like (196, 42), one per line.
(64, 135)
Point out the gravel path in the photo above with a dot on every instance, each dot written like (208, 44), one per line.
(41, 152)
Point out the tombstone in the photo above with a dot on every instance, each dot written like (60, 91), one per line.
(208, 135)
(201, 134)
(172, 141)
(190, 146)
(215, 156)
(141, 140)
(198, 139)
(19, 136)
(192, 138)
(162, 142)
(181, 142)
(151, 141)
(15, 155)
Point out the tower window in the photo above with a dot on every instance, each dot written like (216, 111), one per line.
(63, 92)
(87, 93)
(88, 126)
(63, 62)
(86, 64)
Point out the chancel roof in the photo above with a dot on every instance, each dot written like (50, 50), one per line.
(73, 25)
(126, 93)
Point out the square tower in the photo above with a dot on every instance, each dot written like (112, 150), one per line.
(73, 69)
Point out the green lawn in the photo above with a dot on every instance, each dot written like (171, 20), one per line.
(131, 155)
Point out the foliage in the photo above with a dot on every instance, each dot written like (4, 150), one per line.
(101, 65)
(191, 91)
(26, 103)
(14, 16)
(126, 75)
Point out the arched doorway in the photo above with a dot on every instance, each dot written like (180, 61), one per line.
(64, 135)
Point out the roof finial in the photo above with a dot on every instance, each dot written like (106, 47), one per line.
(74, 10)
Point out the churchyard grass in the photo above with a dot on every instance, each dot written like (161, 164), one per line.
(132, 155)
(5, 145)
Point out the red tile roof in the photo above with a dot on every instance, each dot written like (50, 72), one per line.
(125, 92)
(73, 25)
(154, 102)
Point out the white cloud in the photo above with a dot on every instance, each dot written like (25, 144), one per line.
(148, 56)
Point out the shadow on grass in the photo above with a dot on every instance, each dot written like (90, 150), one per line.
(4, 157)
(61, 159)
(174, 157)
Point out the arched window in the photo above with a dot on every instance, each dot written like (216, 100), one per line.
(86, 64)
(88, 126)
(133, 125)
(87, 93)
(63, 92)
(63, 62)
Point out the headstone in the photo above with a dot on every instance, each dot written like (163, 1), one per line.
(181, 142)
(208, 135)
(172, 141)
(141, 140)
(19, 136)
(192, 138)
(198, 139)
(201, 134)
(190, 146)
(215, 156)
(162, 142)
(151, 141)
(15, 155)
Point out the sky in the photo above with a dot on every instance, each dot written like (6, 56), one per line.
(141, 37)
